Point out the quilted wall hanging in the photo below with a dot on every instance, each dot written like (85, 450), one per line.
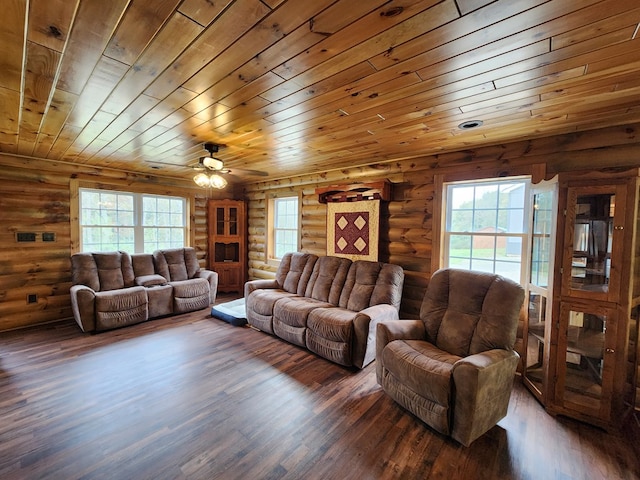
(353, 229)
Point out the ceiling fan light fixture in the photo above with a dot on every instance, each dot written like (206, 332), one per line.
(212, 163)
(216, 181)
(202, 180)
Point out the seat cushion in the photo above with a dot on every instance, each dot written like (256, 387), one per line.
(290, 317)
(117, 308)
(190, 295)
(263, 301)
(330, 334)
(422, 367)
(294, 311)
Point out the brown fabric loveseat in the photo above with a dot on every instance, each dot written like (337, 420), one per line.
(329, 305)
(115, 289)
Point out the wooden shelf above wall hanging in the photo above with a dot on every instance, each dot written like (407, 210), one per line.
(353, 192)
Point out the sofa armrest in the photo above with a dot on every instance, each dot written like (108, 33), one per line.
(364, 325)
(253, 285)
(212, 278)
(388, 331)
(83, 307)
(482, 384)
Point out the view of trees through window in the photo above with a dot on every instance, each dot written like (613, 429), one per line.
(111, 220)
(486, 226)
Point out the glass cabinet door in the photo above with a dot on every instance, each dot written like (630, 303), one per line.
(539, 302)
(220, 221)
(592, 238)
(585, 360)
(233, 221)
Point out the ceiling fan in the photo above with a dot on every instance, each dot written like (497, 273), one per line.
(211, 167)
(215, 165)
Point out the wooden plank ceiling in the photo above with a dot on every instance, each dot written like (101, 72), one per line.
(298, 86)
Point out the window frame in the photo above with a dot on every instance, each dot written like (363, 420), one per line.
(82, 182)
(270, 251)
(532, 173)
(523, 236)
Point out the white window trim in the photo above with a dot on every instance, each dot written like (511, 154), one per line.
(75, 184)
(270, 258)
(439, 260)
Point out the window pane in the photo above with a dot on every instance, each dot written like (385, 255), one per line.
(285, 226)
(108, 221)
(461, 221)
(495, 211)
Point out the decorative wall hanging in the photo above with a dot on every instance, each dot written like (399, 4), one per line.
(353, 229)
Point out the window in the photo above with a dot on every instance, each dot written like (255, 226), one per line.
(486, 226)
(133, 222)
(283, 226)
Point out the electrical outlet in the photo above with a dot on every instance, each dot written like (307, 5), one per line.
(32, 298)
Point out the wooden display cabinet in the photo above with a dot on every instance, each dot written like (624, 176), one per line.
(227, 243)
(580, 355)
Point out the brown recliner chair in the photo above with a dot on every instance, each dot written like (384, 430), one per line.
(454, 368)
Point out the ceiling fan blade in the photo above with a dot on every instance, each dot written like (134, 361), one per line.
(241, 171)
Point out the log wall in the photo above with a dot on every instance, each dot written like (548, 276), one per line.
(407, 221)
(35, 197)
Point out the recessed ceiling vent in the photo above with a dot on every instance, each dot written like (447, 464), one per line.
(470, 124)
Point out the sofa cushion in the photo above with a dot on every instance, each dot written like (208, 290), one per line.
(160, 300)
(142, 264)
(422, 367)
(327, 279)
(290, 318)
(190, 295)
(116, 308)
(176, 264)
(85, 271)
(262, 301)
(114, 270)
(294, 271)
(372, 283)
(330, 334)
(464, 314)
(150, 280)
(295, 310)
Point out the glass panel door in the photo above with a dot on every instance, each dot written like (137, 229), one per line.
(584, 384)
(593, 230)
(219, 221)
(539, 303)
(233, 221)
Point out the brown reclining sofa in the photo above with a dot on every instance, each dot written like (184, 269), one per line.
(115, 289)
(329, 305)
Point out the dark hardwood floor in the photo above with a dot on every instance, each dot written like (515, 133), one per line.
(191, 397)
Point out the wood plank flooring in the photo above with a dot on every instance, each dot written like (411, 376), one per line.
(191, 397)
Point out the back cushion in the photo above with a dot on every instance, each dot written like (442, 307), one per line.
(469, 312)
(176, 264)
(327, 279)
(142, 264)
(84, 270)
(294, 271)
(114, 270)
(372, 283)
